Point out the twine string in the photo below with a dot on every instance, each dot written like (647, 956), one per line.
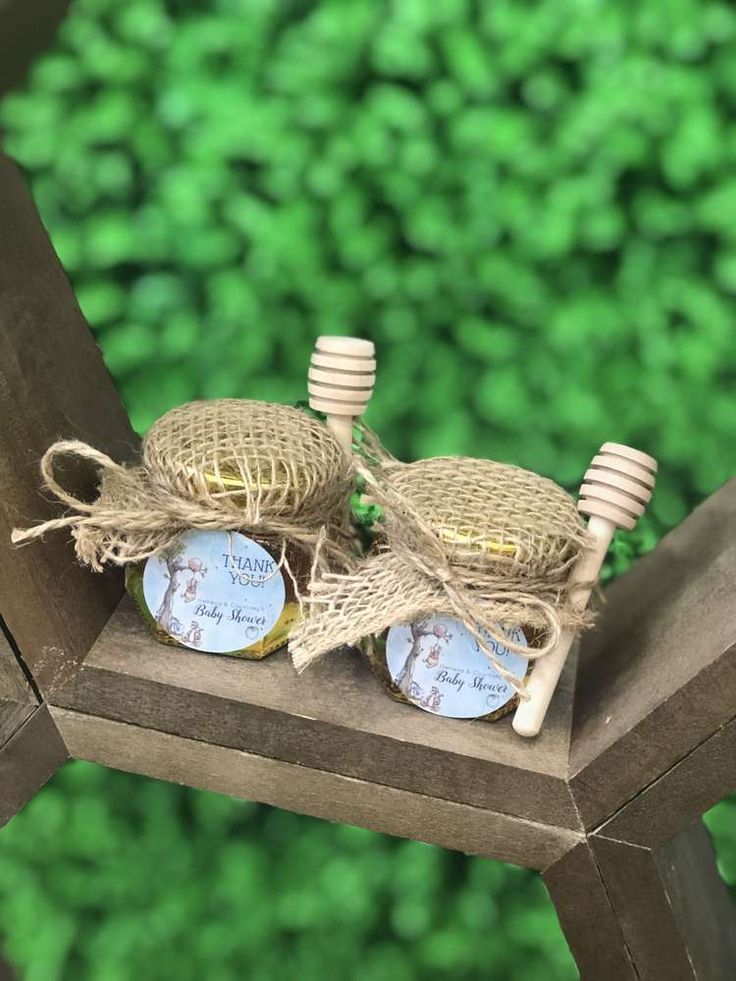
(417, 572)
(291, 476)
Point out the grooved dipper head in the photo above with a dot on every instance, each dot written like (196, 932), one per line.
(618, 485)
(341, 375)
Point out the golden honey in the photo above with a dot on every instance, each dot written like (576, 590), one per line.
(440, 667)
(221, 591)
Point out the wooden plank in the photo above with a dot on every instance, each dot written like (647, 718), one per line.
(12, 716)
(334, 716)
(27, 761)
(676, 915)
(681, 795)
(658, 676)
(13, 682)
(307, 791)
(17, 699)
(587, 917)
(26, 28)
(53, 384)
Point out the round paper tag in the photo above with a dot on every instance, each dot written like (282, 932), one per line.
(438, 665)
(215, 591)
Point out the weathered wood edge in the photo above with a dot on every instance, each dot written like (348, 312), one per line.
(680, 796)
(28, 760)
(53, 384)
(308, 742)
(311, 719)
(12, 716)
(317, 793)
(27, 27)
(617, 776)
(677, 918)
(587, 917)
(658, 676)
(17, 699)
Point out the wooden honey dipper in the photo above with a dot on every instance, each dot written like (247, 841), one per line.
(341, 377)
(615, 493)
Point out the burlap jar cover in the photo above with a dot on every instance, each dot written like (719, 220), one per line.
(486, 543)
(268, 470)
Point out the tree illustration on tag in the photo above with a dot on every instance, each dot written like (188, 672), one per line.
(215, 591)
(439, 666)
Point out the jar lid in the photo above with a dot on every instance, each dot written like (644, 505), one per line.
(487, 513)
(281, 458)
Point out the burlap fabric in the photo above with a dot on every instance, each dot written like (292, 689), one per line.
(225, 464)
(485, 542)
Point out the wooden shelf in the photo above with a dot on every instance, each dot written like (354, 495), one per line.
(17, 699)
(635, 747)
(657, 676)
(333, 718)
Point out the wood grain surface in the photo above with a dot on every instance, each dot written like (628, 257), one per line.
(587, 917)
(334, 716)
(315, 792)
(682, 794)
(27, 760)
(677, 918)
(17, 699)
(53, 384)
(658, 675)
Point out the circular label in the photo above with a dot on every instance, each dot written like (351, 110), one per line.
(215, 591)
(438, 665)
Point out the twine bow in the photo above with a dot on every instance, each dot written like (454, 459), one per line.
(299, 497)
(417, 574)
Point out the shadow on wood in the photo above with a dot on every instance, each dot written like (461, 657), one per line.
(675, 913)
(29, 758)
(17, 698)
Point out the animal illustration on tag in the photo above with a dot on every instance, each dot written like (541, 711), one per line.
(193, 636)
(172, 557)
(196, 567)
(433, 658)
(433, 701)
(419, 631)
(176, 629)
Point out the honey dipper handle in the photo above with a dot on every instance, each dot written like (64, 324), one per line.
(540, 687)
(341, 378)
(341, 428)
(615, 492)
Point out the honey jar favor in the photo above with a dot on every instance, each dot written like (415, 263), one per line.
(236, 590)
(233, 505)
(221, 592)
(221, 522)
(465, 589)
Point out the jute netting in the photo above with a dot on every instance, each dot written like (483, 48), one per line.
(485, 542)
(225, 464)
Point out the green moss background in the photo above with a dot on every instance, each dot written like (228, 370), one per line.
(531, 208)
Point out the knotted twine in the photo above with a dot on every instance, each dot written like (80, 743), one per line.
(230, 464)
(487, 543)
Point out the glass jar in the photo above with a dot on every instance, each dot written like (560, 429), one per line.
(459, 682)
(219, 591)
(436, 664)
